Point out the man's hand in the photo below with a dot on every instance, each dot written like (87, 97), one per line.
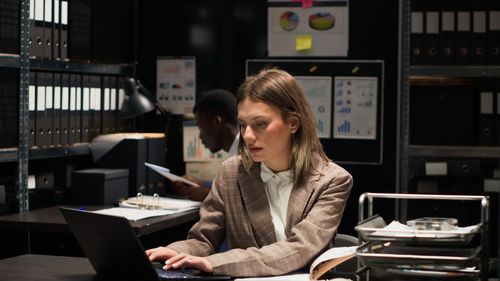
(184, 260)
(196, 193)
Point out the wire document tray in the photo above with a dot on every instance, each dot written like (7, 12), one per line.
(434, 250)
(376, 229)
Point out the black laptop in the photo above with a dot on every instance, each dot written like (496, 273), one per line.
(113, 249)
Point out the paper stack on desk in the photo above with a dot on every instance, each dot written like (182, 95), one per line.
(161, 206)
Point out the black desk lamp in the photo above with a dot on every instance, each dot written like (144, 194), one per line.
(138, 101)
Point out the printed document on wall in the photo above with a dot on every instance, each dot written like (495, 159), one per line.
(321, 30)
(175, 84)
(318, 91)
(355, 108)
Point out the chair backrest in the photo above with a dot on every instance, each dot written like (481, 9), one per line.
(344, 240)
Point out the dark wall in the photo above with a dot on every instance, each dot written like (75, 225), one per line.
(238, 31)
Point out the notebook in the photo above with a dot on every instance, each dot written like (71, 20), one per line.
(113, 249)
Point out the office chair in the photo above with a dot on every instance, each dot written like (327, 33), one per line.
(349, 266)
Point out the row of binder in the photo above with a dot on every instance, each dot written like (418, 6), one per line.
(448, 32)
(67, 108)
(48, 29)
(465, 114)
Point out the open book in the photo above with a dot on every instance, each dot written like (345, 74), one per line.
(321, 265)
(166, 173)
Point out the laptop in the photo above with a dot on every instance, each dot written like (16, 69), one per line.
(112, 247)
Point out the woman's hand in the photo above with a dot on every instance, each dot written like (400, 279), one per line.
(160, 253)
(184, 260)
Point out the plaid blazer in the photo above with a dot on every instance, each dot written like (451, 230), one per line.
(237, 208)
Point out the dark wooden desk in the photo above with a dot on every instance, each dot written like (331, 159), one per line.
(44, 231)
(51, 220)
(41, 267)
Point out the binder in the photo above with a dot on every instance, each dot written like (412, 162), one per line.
(447, 33)
(113, 104)
(47, 29)
(49, 108)
(432, 39)
(57, 114)
(32, 36)
(38, 27)
(32, 109)
(486, 118)
(65, 112)
(497, 114)
(85, 107)
(493, 45)
(96, 100)
(124, 125)
(463, 34)
(56, 33)
(479, 35)
(42, 139)
(417, 33)
(63, 31)
(74, 113)
(9, 26)
(106, 106)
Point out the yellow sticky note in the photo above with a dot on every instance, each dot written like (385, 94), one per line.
(303, 42)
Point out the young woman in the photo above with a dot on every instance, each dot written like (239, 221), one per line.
(278, 203)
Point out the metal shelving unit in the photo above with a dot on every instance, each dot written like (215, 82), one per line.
(22, 61)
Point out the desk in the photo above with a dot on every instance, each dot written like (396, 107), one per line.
(50, 221)
(41, 267)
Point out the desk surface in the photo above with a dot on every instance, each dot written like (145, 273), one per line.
(51, 220)
(41, 267)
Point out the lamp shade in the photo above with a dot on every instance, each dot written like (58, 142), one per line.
(134, 103)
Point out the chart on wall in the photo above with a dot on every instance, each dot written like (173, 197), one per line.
(176, 84)
(355, 102)
(318, 29)
(346, 98)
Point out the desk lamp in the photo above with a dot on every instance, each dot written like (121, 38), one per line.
(136, 101)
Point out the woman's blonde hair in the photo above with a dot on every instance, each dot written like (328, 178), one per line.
(279, 89)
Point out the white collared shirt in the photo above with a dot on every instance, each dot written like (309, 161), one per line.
(278, 190)
(233, 150)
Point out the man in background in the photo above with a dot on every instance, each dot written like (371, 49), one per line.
(216, 117)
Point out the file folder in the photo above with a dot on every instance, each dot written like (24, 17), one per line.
(463, 34)
(432, 39)
(113, 104)
(63, 31)
(65, 112)
(486, 119)
(9, 26)
(42, 138)
(493, 46)
(74, 113)
(57, 130)
(32, 110)
(417, 34)
(47, 29)
(86, 108)
(96, 97)
(49, 108)
(38, 28)
(56, 30)
(447, 33)
(32, 36)
(107, 114)
(497, 114)
(479, 36)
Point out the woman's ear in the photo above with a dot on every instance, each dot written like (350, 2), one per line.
(293, 123)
